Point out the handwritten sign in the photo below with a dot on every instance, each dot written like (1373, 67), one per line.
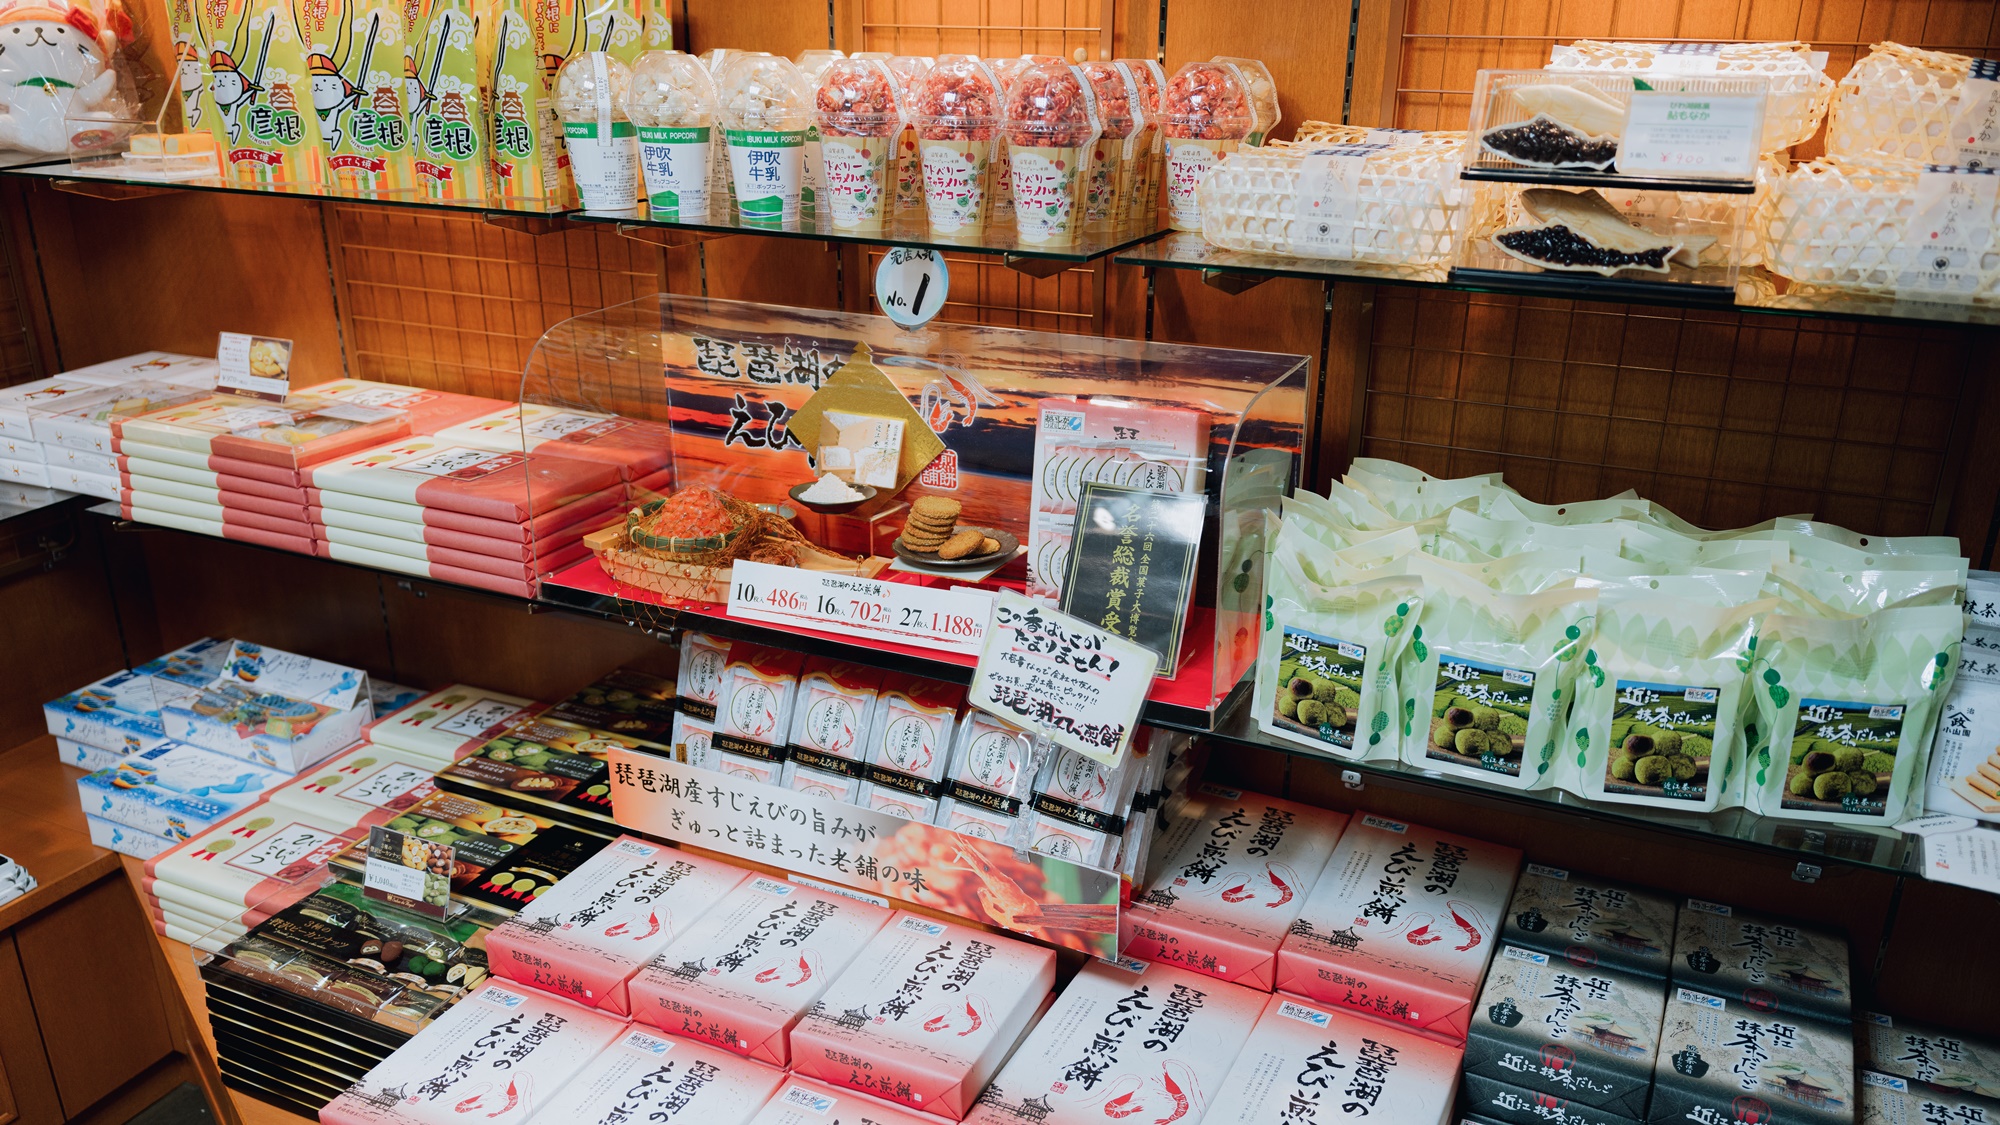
(1690, 134)
(952, 620)
(1047, 671)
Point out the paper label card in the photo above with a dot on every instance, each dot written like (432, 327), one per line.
(1692, 134)
(257, 366)
(408, 871)
(1044, 670)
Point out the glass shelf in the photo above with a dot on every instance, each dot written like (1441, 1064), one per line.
(1492, 169)
(1799, 841)
(106, 178)
(18, 500)
(1882, 849)
(1756, 290)
(908, 227)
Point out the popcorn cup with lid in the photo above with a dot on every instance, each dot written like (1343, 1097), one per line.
(955, 109)
(1001, 180)
(603, 144)
(1115, 162)
(1051, 124)
(1262, 90)
(907, 70)
(766, 108)
(813, 63)
(1205, 113)
(721, 185)
(672, 102)
(860, 115)
(1150, 79)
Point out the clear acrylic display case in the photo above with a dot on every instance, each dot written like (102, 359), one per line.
(725, 379)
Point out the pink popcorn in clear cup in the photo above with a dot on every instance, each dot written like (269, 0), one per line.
(1050, 121)
(860, 114)
(1204, 113)
(1002, 178)
(909, 162)
(1117, 164)
(955, 110)
(1151, 79)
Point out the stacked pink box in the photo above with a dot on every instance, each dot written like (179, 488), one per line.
(235, 467)
(643, 451)
(431, 507)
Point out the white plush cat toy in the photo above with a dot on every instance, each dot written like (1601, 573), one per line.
(52, 71)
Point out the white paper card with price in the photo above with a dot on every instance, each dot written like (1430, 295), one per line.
(953, 620)
(1046, 671)
(1692, 134)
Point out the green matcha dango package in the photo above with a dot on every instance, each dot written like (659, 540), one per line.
(1326, 665)
(1485, 677)
(1657, 716)
(1845, 711)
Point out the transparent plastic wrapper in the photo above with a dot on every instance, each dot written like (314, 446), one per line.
(721, 185)
(1116, 163)
(860, 113)
(1912, 106)
(1579, 123)
(1368, 203)
(955, 108)
(1051, 126)
(1263, 91)
(1868, 228)
(766, 108)
(591, 91)
(355, 53)
(1005, 71)
(1800, 90)
(1150, 78)
(672, 102)
(908, 70)
(1204, 115)
(66, 87)
(813, 63)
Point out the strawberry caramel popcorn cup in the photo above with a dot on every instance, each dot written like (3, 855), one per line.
(908, 70)
(955, 107)
(1204, 114)
(673, 104)
(1051, 127)
(860, 116)
(1116, 166)
(1150, 79)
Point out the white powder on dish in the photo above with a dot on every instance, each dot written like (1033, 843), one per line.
(830, 489)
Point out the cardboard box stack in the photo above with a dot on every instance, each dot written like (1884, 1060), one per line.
(98, 724)
(56, 432)
(431, 507)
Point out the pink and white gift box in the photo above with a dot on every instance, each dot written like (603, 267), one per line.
(744, 975)
(644, 1076)
(586, 938)
(925, 1015)
(1325, 1067)
(1401, 925)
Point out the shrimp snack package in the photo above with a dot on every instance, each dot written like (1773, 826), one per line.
(646, 1076)
(829, 722)
(751, 968)
(502, 1050)
(983, 792)
(909, 745)
(1238, 869)
(699, 681)
(753, 710)
(1401, 925)
(1077, 803)
(934, 1007)
(801, 1101)
(1154, 1044)
(1338, 1067)
(586, 938)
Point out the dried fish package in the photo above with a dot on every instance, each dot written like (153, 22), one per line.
(1576, 123)
(1688, 239)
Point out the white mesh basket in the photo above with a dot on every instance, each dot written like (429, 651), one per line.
(1410, 201)
(1334, 133)
(1841, 224)
(1799, 90)
(1897, 104)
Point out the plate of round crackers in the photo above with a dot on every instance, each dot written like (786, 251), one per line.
(932, 536)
